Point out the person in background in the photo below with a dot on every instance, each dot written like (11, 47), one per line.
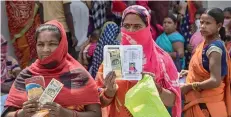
(77, 98)
(108, 36)
(207, 87)
(227, 21)
(80, 14)
(156, 29)
(61, 11)
(172, 41)
(136, 31)
(9, 71)
(88, 49)
(196, 38)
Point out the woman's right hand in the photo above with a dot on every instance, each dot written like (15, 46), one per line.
(110, 84)
(29, 108)
(183, 73)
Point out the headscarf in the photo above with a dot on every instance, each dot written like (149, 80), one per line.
(4, 73)
(155, 59)
(108, 36)
(79, 88)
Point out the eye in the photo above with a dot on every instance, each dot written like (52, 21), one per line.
(39, 44)
(127, 26)
(137, 27)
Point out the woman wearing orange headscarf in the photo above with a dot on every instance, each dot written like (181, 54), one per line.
(77, 98)
(207, 88)
(136, 31)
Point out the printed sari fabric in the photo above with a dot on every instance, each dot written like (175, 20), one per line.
(22, 22)
(79, 88)
(214, 102)
(165, 42)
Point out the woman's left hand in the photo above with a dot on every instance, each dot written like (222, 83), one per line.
(55, 109)
(185, 88)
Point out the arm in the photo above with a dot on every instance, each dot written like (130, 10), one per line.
(215, 74)
(167, 97)
(179, 48)
(40, 11)
(69, 18)
(5, 87)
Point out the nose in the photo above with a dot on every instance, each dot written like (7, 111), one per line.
(46, 48)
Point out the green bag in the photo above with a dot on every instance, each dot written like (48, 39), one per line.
(143, 100)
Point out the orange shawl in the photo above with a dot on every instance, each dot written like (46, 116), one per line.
(217, 100)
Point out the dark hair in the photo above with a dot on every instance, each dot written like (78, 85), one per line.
(218, 15)
(200, 11)
(48, 27)
(228, 9)
(153, 22)
(171, 16)
(228, 38)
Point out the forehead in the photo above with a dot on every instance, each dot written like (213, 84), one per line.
(167, 19)
(46, 36)
(132, 19)
(207, 17)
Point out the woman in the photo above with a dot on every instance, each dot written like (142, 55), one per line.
(136, 31)
(207, 88)
(110, 32)
(78, 97)
(227, 21)
(196, 38)
(172, 41)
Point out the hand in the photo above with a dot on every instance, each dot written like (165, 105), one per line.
(110, 84)
(29, 108)
(148, 73)
(183, 73)
(185, 88)
(74, 41)
(190, 48)
(55, 110)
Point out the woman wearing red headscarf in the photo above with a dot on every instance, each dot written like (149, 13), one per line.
(77, 98)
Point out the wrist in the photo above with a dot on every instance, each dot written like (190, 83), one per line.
(109, 93)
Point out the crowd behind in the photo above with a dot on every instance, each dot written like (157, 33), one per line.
(187, 52)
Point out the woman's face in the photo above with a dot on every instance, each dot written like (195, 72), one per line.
(208, 25)
(169, 26)
(227, 15)
(133, 22)
(47, 42)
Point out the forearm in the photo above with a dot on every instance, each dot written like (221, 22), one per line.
(5, 88)
(70, 24)
(168, 97)
(209, 84)
(105, 102)
(87, 114)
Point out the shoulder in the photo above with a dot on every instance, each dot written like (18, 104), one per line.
(216, 46)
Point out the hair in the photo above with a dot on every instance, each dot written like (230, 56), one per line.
(171, 16)
(153, 22)
(48, 27)
(228, 38)
(200, 11)
(218, 15)
(228, 9)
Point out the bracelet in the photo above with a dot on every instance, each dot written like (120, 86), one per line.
(195, 86)
(16, 113)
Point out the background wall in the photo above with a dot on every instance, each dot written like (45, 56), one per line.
(220, 4)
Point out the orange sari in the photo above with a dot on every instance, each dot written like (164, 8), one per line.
(217, 100)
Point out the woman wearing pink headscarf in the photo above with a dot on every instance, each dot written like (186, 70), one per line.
(136, 31)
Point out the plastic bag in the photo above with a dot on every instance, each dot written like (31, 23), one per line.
(143, 100)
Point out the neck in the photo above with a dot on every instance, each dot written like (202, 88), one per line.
(212, 38)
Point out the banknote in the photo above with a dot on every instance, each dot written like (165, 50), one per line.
(51, 91)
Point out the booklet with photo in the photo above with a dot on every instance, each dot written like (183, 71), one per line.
(125, 60)
(34, 86)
